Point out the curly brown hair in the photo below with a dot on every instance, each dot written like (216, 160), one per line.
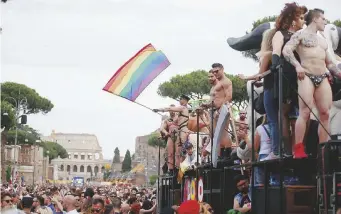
(290, 13)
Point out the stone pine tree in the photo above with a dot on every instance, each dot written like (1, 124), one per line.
(117, 158)
(195, 85)
(126, 164)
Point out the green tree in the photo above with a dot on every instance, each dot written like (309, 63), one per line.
(337, 22)
(154, 140)
(8, 173)
(194, 84)
(152, 179)
(240, 97)
(26, 135)
(117, 158)
(54, 149)
(31, 102)
(126, 164)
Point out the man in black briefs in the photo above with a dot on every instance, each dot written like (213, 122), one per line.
(313, 85)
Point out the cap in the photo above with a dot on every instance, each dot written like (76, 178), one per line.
(189, 207)
(185, 97)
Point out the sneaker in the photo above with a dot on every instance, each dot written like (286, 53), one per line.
(271, 156)
(299, 152)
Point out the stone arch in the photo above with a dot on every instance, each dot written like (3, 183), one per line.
(74, 168)
(81, 169)
(102, 169)
(68, 168)
(62, 167)
(88, 169)
(96, 170)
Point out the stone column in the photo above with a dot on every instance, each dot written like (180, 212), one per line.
(55, 172)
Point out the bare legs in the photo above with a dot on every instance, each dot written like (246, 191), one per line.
(170, 150)
(323, 100)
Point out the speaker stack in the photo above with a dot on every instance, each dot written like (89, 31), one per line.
(329, 177)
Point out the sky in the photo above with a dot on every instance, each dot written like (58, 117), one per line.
(68, 49)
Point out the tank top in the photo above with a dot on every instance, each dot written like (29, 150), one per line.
(288, 70)
(265, 143)
(287, 66)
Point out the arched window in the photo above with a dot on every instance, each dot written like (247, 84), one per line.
(62, 167)
(96, 169)
(68, 168)
(75, 168)
(88, 169)
(102, 169)
(81, 168)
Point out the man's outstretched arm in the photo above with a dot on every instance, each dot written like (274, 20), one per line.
(290, 47)
(170, 109)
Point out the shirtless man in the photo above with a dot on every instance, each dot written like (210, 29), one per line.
(168, 131)
(241, 123)
(221, 95)
(182, 122)
(313, 85)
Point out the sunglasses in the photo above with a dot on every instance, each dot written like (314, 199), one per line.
(7, 201)
(96, 210)
(215, 71)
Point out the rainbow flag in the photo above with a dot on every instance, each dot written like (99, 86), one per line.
(137, 73)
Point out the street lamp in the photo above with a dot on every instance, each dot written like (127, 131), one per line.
(18, 103)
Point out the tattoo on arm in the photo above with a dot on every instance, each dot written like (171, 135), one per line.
(333, 68)
(290, 47)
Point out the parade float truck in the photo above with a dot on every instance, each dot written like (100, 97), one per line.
(292, 186)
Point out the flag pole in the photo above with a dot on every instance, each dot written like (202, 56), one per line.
(135, 102)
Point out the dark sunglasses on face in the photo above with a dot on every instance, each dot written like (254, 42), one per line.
(96, 210)
(215, 71)
(7, 201)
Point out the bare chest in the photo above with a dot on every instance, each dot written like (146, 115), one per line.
(218, 88)
(312, 46)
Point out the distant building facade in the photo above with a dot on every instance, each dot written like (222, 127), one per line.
(148, 155)
(27, 162)
(85, 158)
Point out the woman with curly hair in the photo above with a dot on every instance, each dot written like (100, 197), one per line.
(289, 21)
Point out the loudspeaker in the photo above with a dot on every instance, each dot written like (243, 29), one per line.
(332, 195)
(329, 157)
(23, 119)
(295, 199)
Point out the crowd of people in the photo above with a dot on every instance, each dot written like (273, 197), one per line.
(66, 199)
